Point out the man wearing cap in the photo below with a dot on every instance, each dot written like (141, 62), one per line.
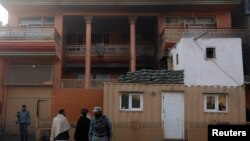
(100, 126)
(23, 121)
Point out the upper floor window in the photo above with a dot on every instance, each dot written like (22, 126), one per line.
(187, 20)
(215, 103)
(37, 21)
(172, 20)
(131, 101)
(205, 20)
(191, 21)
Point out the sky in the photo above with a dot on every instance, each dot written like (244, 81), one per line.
(3, 15)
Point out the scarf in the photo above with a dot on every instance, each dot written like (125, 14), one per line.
(59, 125)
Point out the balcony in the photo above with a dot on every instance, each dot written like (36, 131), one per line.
(10, 33)
(110, 50)
(79, 83)
(174, 35)
(40, 43)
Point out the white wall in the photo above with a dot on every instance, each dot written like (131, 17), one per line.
(224, 70)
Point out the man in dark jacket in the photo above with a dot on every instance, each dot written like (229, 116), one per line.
(82, 126)
(100, 126)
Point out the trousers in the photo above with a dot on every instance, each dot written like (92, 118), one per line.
(23, 130)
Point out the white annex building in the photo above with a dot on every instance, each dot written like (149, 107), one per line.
(209, 62)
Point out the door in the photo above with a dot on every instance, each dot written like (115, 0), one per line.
(16, 96)
(173, 115)
(43, 119)
(43, 113)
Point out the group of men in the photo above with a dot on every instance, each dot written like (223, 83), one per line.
(97, 128)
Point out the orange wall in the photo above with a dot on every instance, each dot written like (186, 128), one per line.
(59, 24)
(72, 100)
(57, 74)
(224, 20)
(2, 74)
(161, 23)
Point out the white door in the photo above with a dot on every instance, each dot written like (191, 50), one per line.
(173, 115)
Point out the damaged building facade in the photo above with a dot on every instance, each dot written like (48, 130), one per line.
(66, 54)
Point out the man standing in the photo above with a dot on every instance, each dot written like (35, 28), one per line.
(23, 120)
(100, 126)
(60, 127)
(82, 126)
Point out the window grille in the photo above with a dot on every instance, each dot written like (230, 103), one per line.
(29, 75)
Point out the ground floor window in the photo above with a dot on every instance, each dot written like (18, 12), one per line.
(215, 103)
(131, 101)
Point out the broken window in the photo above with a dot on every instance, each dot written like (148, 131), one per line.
(210, 53)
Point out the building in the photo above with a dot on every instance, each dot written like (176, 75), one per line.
(209, 61)
(203, 88)
(58, 54)
(241, 20)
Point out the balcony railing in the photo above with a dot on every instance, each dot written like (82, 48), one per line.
(111, 50)
(174, 35)
(79, 83)
(13, 33)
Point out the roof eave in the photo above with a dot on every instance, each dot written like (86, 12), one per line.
(153, 2)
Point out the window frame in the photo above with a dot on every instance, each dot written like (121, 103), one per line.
(216, 108)
(42, 21)
(130, 108)
(184, 21)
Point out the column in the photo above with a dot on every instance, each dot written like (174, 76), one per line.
(88, 20)
(132, 21)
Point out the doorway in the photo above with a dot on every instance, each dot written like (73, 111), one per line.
(173, 115)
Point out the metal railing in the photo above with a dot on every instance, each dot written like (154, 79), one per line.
(24, 33)
(112, 50)
(174, 35)
(79, 83)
